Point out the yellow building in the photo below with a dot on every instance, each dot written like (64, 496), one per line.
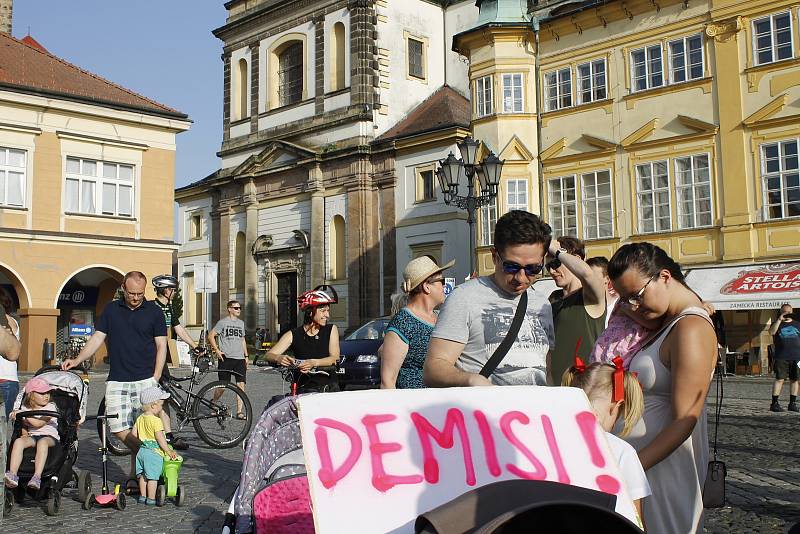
(670, 121)
(86, 191)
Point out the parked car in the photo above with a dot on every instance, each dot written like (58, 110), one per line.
(359, 364)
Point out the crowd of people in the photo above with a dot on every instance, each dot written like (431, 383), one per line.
(632, 314)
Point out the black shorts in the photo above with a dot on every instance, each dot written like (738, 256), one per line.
(786, 369)
(232, 364)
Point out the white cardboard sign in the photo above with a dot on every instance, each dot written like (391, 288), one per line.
(380, 458)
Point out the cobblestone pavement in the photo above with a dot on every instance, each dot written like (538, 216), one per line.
(760, 448)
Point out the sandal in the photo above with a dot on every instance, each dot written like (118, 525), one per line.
(11, 480)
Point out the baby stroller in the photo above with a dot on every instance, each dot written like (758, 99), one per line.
(273, 486)
(69, 394)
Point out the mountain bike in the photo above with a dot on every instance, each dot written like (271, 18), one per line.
(220, 412)
(315, 380)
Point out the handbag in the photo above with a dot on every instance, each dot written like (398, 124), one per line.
(502, 349)
(714, 486)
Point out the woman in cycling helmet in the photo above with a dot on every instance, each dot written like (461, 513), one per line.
(314, 344)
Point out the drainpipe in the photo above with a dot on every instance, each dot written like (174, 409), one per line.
(539, 103)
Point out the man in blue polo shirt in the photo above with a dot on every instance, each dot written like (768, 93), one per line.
(135, 331)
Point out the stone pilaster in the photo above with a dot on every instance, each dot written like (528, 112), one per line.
(250, 265)
(225, 261)
(226, 97)
(317, 244)
(216, 246)
(363, 62)
(254, 76)
(319, 64)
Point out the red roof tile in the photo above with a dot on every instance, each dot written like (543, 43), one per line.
(27, 66)
(445, 108)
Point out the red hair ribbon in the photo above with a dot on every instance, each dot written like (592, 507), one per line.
(618, 383)
(579, 365)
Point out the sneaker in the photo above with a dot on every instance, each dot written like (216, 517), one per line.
(179, 444)
(775, 407)
(141, 499)
(12, 480)
(35, 483)
(793, 407)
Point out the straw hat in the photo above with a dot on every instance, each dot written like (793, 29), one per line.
(420, 269)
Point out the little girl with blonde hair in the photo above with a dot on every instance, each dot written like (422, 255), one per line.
(615, 394)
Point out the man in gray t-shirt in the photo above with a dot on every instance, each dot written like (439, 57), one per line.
(228, 343)
(476, 316)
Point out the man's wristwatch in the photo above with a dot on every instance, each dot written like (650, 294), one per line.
(558, 253)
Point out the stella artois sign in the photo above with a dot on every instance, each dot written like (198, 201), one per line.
(773, 278)
(764, 286)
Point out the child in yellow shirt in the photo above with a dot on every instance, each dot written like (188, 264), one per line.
(154, 448)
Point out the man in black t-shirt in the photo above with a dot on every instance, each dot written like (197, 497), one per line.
(135, 332)
(786, 338)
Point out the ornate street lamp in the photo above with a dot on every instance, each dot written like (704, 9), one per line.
(450, 172)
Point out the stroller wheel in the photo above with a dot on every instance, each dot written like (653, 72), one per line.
(161, 495)
(120, 503)
(84, 485)
(180, 497)
(53, 505)
(9, 503)
(88, 502)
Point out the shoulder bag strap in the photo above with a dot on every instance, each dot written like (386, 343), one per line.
(501, 351)
(718, 404)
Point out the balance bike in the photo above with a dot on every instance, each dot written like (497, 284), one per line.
(107, 498)
(168, 487)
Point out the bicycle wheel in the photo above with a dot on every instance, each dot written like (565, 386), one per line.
(115, 446)
(214, 414)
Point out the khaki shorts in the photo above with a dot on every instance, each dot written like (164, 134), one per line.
(122, 398)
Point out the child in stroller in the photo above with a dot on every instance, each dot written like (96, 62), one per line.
(64, 411)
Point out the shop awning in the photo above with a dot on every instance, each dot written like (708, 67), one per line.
(748, 287)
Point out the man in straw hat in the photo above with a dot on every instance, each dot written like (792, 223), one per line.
(477, 315)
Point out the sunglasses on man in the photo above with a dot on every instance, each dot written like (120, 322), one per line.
(512, 267)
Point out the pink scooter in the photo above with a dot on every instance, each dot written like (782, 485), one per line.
(107, 498)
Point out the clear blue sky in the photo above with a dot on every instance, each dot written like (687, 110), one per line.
(162, 49)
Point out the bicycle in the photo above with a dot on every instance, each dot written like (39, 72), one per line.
(73, 347)
(216, 420)
(299, 381)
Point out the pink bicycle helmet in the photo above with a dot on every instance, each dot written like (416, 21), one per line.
(319, 296)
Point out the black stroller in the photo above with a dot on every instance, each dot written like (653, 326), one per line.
(69, 394)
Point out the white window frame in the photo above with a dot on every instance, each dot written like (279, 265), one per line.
(592, 78)
(773, 40)
(652, 194)
(513, 92)
(488, 222)
(552, 80)
(693, 187)
(484, 105)
(99, 182)
(517, 187)
(687, 71)
(648, 71)
(191, 236)
(562, 223)
(781, 175)
(5, 169)
(585, 200)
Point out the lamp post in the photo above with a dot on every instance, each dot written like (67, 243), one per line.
(450, 173)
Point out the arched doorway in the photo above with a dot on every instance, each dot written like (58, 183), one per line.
(81, 299)
(13, 286)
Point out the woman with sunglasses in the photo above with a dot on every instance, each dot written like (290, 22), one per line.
(405, 342)
(675, 369)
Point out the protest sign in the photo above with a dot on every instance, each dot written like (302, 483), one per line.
(377, 459)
